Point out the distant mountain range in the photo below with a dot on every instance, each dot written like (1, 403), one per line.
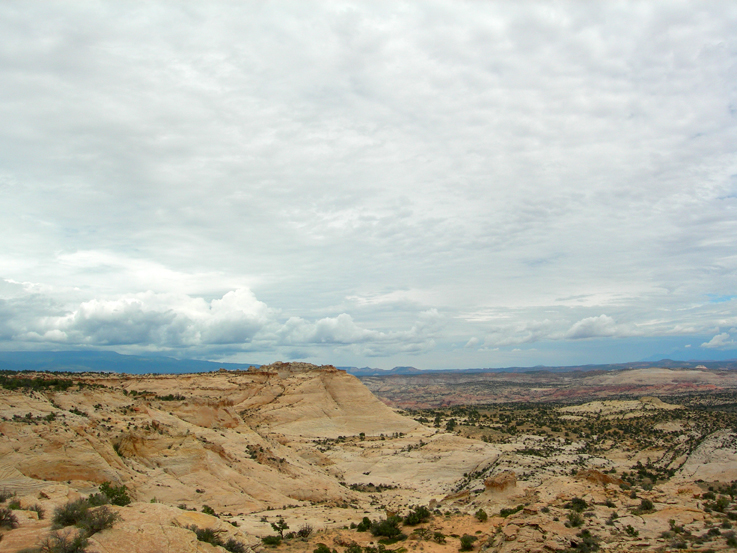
(730, 364)
(107, 361)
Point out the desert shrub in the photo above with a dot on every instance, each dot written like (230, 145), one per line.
(609, 503)
(234, 546)
(212, 536)
(14, 505)
(481, 515)
(279, 526)
(506, 512)
(59, 543)
(97, 520)
(630, 531)
(589, 542)
(321, 548)
(118, 495)
(732, 541)
(271, 540)
(353, 548)
(418, 515)
(467, 542)
(5, 494)
(70, 513)
(208, 510)
(646, 506)
(207, 535)
(364, 525)
(577, 504)
(38, 509)
(387, 528)
(8, 519)
(97, 499)
(305, 531)
(574, 519)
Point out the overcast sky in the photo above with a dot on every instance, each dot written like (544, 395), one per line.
(436, 184)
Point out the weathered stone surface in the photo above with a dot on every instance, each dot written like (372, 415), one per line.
(501, 482)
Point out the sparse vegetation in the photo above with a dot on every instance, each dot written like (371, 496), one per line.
(467, 542)
(213, 537)
(8, 519)
(63, 543)
(417, 515)
(118, 495)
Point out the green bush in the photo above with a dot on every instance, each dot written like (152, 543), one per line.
(212, 536)
(418, 515)
(58, 543)
(8, 519)
(364, 525)
(646, 506)
(79, 513)
(271, 540)
(118, 495)
(70, 513)
(630, 531)
(5, 494)
(98, 519)
(467, 542)
(481, 515)
(208, 510)
(97, 499)
(388, 528)
(321, 548)
(589, 542)
(207, 535)
(14, 505)
(575, 519)
(506, 512)
(279, 526)
(577, 504)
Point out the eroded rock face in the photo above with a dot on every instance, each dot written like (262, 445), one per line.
(501, 482)
(598, 477)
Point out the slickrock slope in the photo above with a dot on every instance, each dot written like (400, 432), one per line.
(285, 435)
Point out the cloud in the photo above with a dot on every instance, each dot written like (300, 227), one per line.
(237, 321)
(723, 340)
(592, 327)
(520, 170)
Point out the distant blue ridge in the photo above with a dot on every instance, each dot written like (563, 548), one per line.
(108, 361)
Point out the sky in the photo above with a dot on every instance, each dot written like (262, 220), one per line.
(435, 184)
